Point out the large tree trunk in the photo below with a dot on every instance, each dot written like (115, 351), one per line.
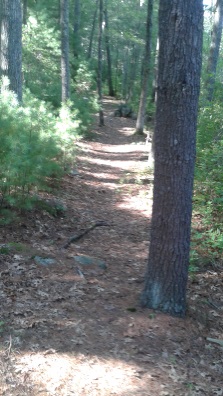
(101, 114)
(65, 67)
(107, 43)
(11, 44)
(145, 71)
(214, 49)
(180, 34)
(77, 20)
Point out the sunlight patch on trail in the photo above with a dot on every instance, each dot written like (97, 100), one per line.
(137, 203)
(121, 164)
(79, 375)
(111, 148)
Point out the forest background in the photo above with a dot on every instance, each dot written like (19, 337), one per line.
(99, 51)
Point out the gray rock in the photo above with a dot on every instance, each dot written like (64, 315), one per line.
(88, 261)
(44, 260)
(124, 111)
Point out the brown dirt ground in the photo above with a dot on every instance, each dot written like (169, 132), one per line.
(72, 329)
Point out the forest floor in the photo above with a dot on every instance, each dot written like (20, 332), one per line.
(71, 323)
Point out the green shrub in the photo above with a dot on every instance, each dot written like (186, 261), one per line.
(35, 145)
(83, 97)
(29, 147)
(208, 197)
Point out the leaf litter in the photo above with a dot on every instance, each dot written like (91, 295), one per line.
(70, 319)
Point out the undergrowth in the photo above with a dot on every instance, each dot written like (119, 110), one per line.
(37, 144)
(207, 233)
(38, 137)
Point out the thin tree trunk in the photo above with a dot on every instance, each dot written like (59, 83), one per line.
(76, 30)
(11, 44)
(131, 78)
(214, 49)
(153, 100)
(117, 71)
(92, 31)
(101, 114)
(180, 33)
(125, 71)
(146, 71)
(155, 73)
(107, 43)
(65, 67)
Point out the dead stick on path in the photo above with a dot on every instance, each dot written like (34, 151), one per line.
(8, 350)
(76, 238)
(215, 340)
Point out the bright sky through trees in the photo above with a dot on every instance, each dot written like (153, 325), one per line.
(208, 2)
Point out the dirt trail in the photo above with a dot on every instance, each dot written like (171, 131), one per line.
(72, 325)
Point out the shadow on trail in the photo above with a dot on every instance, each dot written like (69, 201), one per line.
(79, 329)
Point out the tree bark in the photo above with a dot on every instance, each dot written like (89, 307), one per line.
(101, 114)
(145, 72)
(180, 35)
(214, 49)
(65, 67)
(109, 61)
(11, 44)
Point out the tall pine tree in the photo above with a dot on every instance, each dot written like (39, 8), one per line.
(11, 44)
(180, 35)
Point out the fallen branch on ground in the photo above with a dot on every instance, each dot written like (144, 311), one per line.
(76, 238)
(215, 340)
